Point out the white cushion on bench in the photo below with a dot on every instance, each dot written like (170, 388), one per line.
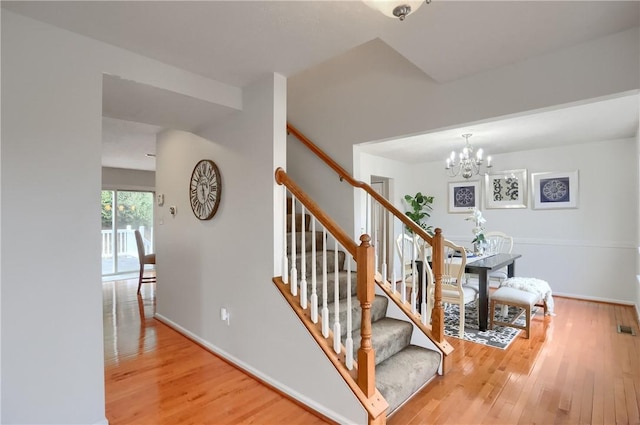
(513, 296)
(533, 285)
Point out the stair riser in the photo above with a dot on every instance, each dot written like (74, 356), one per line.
(378, 311)
(389, 336)
(319, 269)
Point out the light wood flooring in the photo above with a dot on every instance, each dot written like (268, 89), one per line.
(575, 369)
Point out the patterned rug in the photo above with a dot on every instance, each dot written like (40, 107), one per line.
(499, 336)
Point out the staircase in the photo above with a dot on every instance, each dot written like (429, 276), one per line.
(401, 368)
(367, 322)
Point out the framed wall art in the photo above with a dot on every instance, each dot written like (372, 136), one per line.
(506, 189)
(554, 190)
(464, 196)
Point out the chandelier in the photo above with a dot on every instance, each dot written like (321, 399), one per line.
(468, 164)
(396, 8)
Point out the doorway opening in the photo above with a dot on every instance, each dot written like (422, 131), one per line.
(382, 234)
(123, 212)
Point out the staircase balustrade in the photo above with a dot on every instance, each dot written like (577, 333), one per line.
(344, 252)
(393, 266)
(389, 262)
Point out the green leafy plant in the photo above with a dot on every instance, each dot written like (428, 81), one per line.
(421, 206)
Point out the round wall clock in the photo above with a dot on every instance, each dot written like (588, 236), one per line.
(204, 189)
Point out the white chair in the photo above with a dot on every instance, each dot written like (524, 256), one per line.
(453, 291)
(499, 242)
(408, 252)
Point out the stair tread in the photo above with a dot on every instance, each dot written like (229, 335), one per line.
(404, 373)
(378, 311)
(388, 337)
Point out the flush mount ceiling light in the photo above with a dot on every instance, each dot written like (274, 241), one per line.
(396, 8)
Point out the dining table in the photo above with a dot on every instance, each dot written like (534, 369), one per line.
(482, 267)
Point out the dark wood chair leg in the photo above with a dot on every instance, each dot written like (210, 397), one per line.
(140, 277)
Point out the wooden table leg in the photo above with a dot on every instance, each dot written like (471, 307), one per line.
(483, 300)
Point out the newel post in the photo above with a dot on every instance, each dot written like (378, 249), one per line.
(437, 314)
(366, 355)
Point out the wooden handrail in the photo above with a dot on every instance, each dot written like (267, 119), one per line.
(345, 176)
(331, 226)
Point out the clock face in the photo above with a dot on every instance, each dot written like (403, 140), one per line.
(204, 189)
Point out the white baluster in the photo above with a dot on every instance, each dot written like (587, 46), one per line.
(303, 257)
(376, 248)
(423, 280)
(414, 275)
(294, 270)
(384, 247)
(337, 345)
(314, 291)
(325, 308)
(393, 283)
(403, 284)
(285, 256)
(349, 342)
(367, 215)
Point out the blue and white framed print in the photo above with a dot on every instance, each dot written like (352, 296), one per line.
(554, 190)
(464, 196)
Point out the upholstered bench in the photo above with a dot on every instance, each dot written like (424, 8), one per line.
(537, 286)
(516, 298)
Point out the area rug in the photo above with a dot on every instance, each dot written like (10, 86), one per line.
(498, 337)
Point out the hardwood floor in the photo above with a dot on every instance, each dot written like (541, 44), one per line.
(154, 375)
(575, 369)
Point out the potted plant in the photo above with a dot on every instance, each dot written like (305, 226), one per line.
(479, 240)
(421, 206)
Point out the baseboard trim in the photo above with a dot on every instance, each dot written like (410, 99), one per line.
(594, 299)
(306, 403)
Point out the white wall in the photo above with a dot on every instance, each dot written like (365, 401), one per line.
(638, 225)
(229, 261)
(52, 356)
(372, 93)
(588, 252)
(51, 311)
(120, 178)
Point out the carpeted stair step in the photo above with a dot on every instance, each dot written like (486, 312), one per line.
(308, 241)
(378, 311)
(401, 375)
(307, 222)
(388, 337)
(330, 262)
(342, 287)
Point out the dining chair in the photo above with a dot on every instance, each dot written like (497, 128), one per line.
(144, 260)
(408, 253)
(453, 289)
(499, 242)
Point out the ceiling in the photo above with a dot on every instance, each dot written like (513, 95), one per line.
(238, 42)
(609, 119)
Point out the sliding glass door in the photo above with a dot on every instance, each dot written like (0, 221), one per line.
(122, 213)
